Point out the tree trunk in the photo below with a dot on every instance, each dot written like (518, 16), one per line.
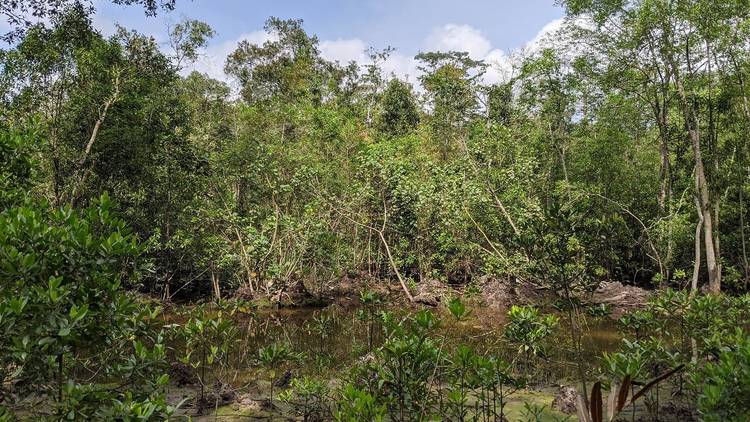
(714, 274)
(696, 271)
(665, 169)
(702, 189)
(742, 236)
(697, 262)
(81, 172)
(215, 286)
(245, 261)
(395, 268)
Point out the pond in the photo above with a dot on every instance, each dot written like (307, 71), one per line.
(329, 341)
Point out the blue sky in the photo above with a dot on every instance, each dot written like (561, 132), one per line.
(488, 29)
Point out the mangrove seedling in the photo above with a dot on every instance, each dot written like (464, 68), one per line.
(207, 342)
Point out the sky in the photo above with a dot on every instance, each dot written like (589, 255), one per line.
(488, 29)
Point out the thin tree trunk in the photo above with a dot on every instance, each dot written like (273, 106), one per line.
(390, 256)
(702, 190)
(395, 267)
(697, 255)
(215, 285)
(94, 133)
(665, 169)
(742, 236)
(696, 271)
(245, 261)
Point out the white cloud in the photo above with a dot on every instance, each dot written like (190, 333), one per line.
(549, 37)
(499, 67)
(344, 51)
(545, 36)
(452, 37)
(404, 67)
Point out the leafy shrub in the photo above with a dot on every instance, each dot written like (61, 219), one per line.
(529, 330)
(308, 399)
(724, 385)
(62, 308)
(208, 338)
(355, 405)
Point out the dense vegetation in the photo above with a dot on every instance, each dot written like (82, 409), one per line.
(618, 152)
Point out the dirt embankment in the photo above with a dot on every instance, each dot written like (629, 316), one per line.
(494, 293)
(620, 298)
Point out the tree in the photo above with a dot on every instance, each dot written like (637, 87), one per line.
(187, 38)
(399, 113)
(686, 56)
(451, 81)
(22, 14)
(16, 165)
(288, 66)
(500, 103)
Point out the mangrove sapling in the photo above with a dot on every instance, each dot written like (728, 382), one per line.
(320, 327)
(533, 412)
(355, 405)
(724, 384)
(646, 358)
(529, 331)
(458, 309)
(273, 355)
(63, 308)
(208, 339)
(628, 364)
(498, 383)
(405, 364)
(462, 369)
(618, 397)
(636, 323)
(308, 399)
(370, 301)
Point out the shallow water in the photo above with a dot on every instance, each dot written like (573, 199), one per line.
(333, 338)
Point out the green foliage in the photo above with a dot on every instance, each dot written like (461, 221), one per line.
(272, 356)
(188, 37)
(697, 332)
(62, 306)
(415, 375)
(399, 113)
(369, 313)
(724, 385)
(458, 309)
(405, 364)
(355, 405)
(208, 337)
(529, 330)
(582, 167)
(16, 165)
(308, 398)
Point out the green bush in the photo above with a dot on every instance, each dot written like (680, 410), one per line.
(724, 385)
(529, 330)
(69, 332)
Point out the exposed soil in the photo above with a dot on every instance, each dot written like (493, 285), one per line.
(494, 293)
(498, 293)
(619, 297)
(565, 400)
